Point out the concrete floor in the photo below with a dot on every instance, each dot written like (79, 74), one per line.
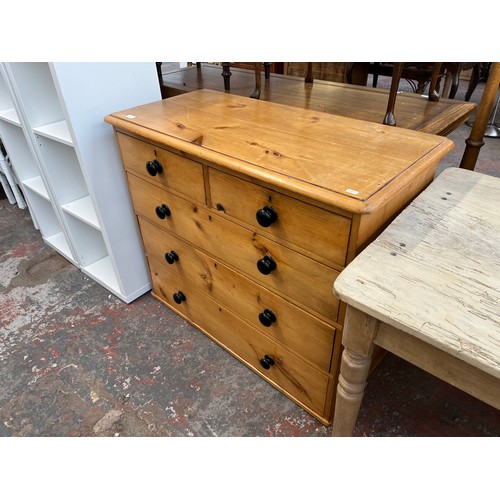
(77, 361)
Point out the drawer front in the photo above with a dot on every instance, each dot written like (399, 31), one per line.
(267, 312)
(292, 375)
(316, 230)
(177, 172)
(297, 277)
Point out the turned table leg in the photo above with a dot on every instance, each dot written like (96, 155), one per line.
(475, 141)
(359, 333)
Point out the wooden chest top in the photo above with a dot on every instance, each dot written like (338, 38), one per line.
(351, 164)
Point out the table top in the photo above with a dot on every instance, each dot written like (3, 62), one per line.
(351, 164)
(413, 111)
(434, 273)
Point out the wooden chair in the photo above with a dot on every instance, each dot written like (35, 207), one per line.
(226, 74)
(390, 118)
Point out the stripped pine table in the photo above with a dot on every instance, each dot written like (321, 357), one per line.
(428, 290)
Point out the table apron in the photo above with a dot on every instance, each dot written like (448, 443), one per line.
(456, 372)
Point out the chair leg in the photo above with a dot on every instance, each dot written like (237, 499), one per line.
(433, 93)
(267, 70)
(309, 74)
(389, 118)
(376, 67)
(473, 81)
(226, 74)
(256, 93)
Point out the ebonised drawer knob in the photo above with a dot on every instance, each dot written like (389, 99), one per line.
(179, 297)
(267, 317)
(163, 211)
(154, 167)
(267, 362)
(171, 257)
(266, 265)
(266, 216)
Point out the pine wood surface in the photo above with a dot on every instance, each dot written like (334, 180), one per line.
(179, 173)
(242, 248)
(301, 381)
(303, 333)
(321, 156)
(412, 111)
(434, 273)
(236, 199)
(301, 163)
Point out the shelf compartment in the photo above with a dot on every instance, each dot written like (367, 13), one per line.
(102, 271)
(49, 225)
(59, 243)
(83, 209)
(20, 153)
(58, 131)
(7, 111)
(10, 116)
(40, 101)
(93, 256)
(63, 170)
(88, 240)
(36, 184)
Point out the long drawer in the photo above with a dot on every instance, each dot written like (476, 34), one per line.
(299, 278)
(276, 215)
(270, 314)
(287, 372)
(174, 171)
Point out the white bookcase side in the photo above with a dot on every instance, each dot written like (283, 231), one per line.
(68, 162)
(121, 85)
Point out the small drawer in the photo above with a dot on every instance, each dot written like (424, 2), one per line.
(162, 167)
(305, 281)
(287, 372)
(270, 314)
(276, 215)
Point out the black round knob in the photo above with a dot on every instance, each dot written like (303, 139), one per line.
(163, 211)
(179, 297)
(266, 216)
(267, 317)
(266, 362)
(154, 167)
(266, 265)
(171, 257)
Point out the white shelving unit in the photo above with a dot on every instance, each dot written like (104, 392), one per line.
(68, 161)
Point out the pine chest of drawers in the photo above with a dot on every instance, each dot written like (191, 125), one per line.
(249, 210)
